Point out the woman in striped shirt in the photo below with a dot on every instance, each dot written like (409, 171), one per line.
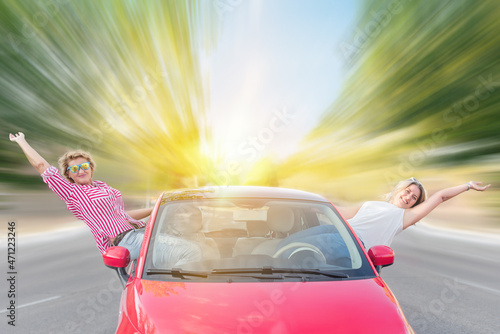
(94, 202)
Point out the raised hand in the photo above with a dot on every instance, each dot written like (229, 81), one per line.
(476, 186)
(17, 137)
(35, 159)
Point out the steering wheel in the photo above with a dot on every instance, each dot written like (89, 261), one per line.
(302, 246)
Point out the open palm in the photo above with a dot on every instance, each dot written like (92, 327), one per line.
(476, 186)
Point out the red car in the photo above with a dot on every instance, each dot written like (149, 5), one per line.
(253, 260)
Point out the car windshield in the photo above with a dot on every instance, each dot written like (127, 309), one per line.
(252, 239)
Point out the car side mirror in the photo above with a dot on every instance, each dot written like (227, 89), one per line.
(381, 256)
(116, 257)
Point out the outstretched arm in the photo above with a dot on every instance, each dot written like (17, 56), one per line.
(35, 159)
(348, 211)
(140, 213)
(415, 214)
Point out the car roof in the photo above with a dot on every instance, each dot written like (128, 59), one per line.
(241, 192)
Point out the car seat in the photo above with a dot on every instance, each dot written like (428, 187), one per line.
(280, 221)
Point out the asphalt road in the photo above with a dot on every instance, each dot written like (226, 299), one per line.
(445, 282)
(62, 286)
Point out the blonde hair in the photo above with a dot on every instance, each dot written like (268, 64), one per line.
(72, 155)
(405, 184)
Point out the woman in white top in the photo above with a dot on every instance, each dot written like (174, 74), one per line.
(377, 223)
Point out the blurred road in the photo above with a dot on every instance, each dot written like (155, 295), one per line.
(446, 282)
(62, 285)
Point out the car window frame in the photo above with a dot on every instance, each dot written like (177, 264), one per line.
(355, 248)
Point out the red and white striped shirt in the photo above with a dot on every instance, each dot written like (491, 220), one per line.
(98, 205)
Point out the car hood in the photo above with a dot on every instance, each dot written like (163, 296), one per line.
(351, 306)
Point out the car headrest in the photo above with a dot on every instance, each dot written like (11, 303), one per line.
(257, 228)
(280, 219)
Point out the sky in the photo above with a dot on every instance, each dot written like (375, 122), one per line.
(276, 68)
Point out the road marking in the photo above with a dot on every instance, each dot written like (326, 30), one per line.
(478, 286)
(34, 303)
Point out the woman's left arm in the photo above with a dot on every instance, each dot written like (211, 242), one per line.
(415, 214)
(140, 213)
(348, 212)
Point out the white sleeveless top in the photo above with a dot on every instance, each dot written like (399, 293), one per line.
(377, 223)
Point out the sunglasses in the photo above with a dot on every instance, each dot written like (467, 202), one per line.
(412, 179)
(76, 168)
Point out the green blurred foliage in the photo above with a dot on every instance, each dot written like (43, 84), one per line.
(128, 81)
(422, 99)
(121, 79)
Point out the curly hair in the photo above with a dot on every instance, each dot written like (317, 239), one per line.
(72, 155)
(405, 184)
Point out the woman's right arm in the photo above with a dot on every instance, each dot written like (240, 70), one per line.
(35, 159)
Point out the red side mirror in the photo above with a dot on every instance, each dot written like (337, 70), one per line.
(116, 257)
(381, 255)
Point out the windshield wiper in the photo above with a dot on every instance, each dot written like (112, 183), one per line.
(266, 272)
(271, 270)
(177, 272)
